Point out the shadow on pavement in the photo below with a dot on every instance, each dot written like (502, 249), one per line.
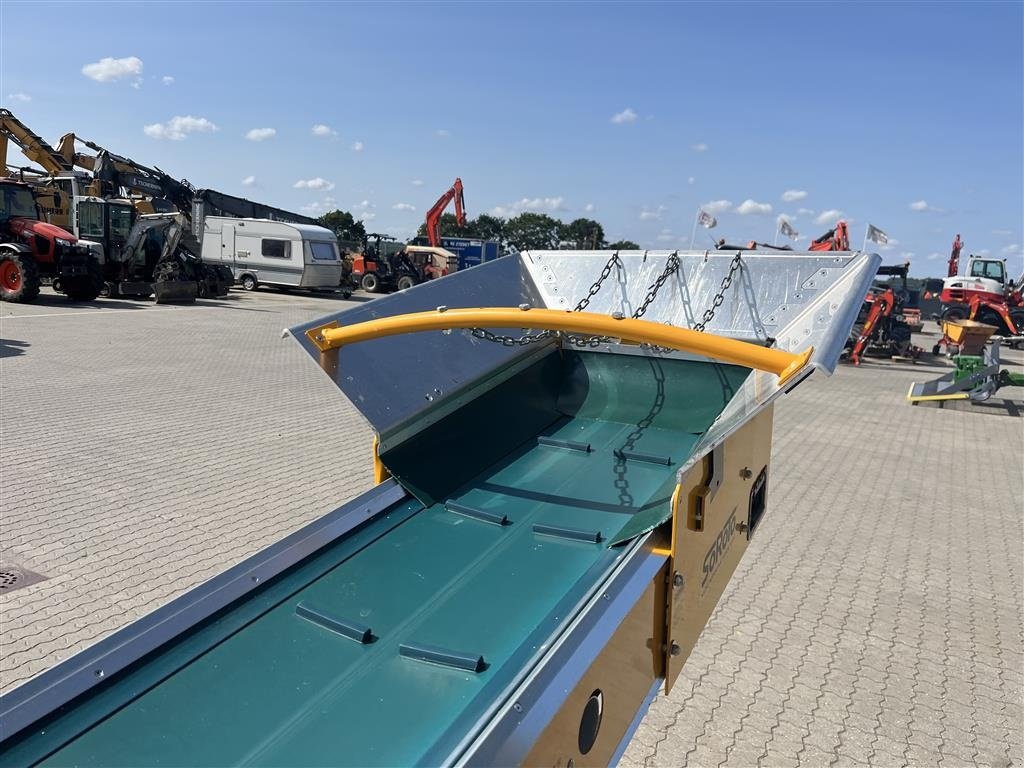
(12, 347)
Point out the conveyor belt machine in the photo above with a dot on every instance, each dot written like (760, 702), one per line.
(572, 453)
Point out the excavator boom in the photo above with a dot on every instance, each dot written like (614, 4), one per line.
(954, 258)
(433, 218)
(32, 146)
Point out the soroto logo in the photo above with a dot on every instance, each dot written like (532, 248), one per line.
(718, 547)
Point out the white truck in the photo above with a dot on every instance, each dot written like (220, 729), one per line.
(273, 253)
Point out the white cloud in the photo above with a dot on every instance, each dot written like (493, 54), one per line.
(982, 252)
(178, 128)
(442, 133)
(717, 206)
(317, 183)
(829, 217)
(531, 204)
(893, 242)
(167, 80)
(1011, 249)
(752, 207)
(588, 208)
(403, 207)
(665, 236)
(363, 211)
(805, 212)
(653, 214)
(108, 69)
(792, 195)
(417, 182)
(1003, 232)
(357, 146)
(920, 205)
(625, 116)
(323, 130)
(249, 181)
(261, 134)
(700, 147)
(23, 97)
(933, 256)
(692, 180)
(906, 255)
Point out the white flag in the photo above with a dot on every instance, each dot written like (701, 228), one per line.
(874, 233)
(787, 229)
(706, 220)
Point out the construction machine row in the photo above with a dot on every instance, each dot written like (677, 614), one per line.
(92, 223)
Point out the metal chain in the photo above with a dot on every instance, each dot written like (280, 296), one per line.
(532, 338)
(719, 299)
(671, 267)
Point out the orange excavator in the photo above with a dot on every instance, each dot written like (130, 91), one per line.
(885, 323)
(836, 239)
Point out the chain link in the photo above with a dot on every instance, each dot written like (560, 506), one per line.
(719, 299)
(671, 267)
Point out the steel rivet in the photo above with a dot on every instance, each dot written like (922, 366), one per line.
(677, 580)
(746, 473)
(675, 650)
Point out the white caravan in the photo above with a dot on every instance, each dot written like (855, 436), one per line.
(275, 253)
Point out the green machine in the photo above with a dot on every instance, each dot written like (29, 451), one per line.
(572, 453)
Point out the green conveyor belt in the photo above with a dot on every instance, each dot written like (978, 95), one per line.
(262, 685)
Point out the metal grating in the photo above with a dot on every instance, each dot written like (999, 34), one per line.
(14, 577)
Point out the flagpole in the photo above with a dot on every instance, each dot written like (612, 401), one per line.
(693, 234)
(864, 247)
(776, 240)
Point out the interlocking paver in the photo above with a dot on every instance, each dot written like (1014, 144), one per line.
(876, 619)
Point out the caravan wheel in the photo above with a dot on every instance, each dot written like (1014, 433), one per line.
(249, 283)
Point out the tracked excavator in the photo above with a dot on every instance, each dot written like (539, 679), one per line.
(986, 293)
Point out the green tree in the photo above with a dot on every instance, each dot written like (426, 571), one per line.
(583, 234)
(623, 245)
(529, 231)
(488, 227)
(344, 225)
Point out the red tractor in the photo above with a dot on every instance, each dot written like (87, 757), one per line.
(32, 250)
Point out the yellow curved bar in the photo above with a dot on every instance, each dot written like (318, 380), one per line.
(784, 364)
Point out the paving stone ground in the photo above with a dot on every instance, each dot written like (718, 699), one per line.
(876, 619)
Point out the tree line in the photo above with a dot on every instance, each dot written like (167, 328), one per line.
(527, 231)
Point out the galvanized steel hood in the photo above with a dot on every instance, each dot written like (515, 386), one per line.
(790, 300)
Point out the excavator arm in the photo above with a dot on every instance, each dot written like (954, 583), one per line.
(837, 239)
(32, 146)
(433, 218)
(954, 258)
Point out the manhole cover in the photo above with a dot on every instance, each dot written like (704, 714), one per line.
(14, 577)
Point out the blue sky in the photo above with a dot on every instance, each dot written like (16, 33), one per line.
(908, 116)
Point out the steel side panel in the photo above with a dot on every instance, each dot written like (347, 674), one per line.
(623, 672)
(707, 558)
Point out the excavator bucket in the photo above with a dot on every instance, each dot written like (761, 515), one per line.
(569, 494)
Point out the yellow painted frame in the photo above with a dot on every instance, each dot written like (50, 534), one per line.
(784, 364)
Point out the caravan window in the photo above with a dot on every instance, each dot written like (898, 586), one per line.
(277, 249)
(323, 251)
